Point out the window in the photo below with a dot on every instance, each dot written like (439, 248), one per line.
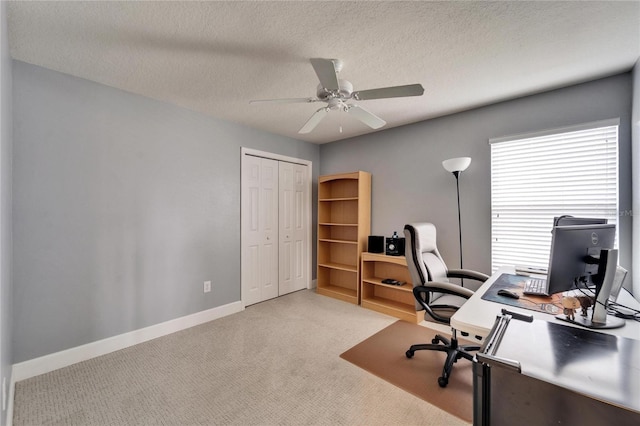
(538, 177)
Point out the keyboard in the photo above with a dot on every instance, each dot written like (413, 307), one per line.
(535, 286)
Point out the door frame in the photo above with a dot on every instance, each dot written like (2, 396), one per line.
(309, 222)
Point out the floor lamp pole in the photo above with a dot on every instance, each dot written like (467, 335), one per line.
(456, 174)
(459, 221)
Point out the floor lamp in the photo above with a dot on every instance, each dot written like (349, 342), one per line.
(455, 166)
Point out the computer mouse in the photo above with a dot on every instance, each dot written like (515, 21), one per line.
(506, 293)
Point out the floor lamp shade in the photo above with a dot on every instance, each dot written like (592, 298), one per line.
(456, 164)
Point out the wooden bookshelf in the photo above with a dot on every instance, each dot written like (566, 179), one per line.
(397, 301)
(344, 223)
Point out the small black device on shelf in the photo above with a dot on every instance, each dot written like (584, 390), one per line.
(395, 245)
(376, 244)
(391, 281)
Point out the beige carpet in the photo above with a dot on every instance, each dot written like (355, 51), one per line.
(383, 354)
(275, 363)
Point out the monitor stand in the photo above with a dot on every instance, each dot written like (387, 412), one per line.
(604, 282)
(609, 322)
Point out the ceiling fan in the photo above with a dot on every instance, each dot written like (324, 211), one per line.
(336, 93)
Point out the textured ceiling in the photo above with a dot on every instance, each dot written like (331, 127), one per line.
(214, 57)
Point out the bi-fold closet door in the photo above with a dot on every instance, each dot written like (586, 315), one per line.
(274, 209)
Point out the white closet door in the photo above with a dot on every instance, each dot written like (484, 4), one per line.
(292, 227)
(260, 229)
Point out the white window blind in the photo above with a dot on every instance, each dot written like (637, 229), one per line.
(537, 178)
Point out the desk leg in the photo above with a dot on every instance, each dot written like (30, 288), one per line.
(481, 393)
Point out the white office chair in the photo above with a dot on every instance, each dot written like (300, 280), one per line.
(435, 294)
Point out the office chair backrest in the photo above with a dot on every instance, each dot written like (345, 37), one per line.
(423, 258)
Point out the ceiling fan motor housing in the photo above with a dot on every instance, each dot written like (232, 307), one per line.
(344, 92)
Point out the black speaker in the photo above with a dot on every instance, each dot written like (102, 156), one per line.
(376, 244)
(395, 247)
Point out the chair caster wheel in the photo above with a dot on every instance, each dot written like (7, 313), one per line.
(409, 354)
(435, 341)
(443, 382)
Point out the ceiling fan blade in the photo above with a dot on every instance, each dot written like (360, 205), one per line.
(326, 71)
(389, 92)
(366, 117)
(284, 101)
(315, 119)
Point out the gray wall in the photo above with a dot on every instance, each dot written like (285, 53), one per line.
(635, 144)
(123, 206)
(409, 183)
(6, 138)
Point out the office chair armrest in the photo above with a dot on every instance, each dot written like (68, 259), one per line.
(448, 288)
(421, 294)
(467, 273)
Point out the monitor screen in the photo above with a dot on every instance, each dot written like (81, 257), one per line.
(575, 251)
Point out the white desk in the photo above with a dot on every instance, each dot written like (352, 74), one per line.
(477, 316)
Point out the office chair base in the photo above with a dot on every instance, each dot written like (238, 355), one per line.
(453, 350)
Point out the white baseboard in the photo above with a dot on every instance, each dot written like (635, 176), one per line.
(12, 389)
(45, 364)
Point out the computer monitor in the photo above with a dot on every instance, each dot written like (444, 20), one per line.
(575, 253)
(567, 220)
(582, 255)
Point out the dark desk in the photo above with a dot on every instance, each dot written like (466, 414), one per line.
(544, 373)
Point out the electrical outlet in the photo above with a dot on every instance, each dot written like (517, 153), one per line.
(207, 286)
